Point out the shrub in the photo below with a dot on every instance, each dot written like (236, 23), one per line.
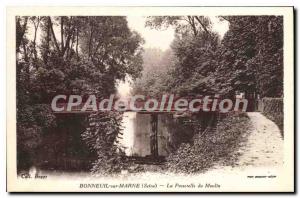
(211, 146)
(100, 136)
(32, 123)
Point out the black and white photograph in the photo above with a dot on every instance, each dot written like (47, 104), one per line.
(157, 99)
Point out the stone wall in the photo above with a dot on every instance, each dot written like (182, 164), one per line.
(272, 108)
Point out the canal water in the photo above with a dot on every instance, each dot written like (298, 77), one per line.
(137, 127)
(136, 134)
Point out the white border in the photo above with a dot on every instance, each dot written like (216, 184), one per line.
(286, 179)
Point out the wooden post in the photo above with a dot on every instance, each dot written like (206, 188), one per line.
(153, 136)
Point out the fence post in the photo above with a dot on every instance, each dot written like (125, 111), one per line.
(153, 135)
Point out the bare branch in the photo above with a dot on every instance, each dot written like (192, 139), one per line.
(53, 34)
(62, 32)
(202, 24)
(22, 29)
(36, 26)
(191, 21)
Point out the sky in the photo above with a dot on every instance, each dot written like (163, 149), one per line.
(153, 38)
(163, 38)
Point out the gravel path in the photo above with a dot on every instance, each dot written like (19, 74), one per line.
(264, 146)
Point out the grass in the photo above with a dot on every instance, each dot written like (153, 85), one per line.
(211, 148)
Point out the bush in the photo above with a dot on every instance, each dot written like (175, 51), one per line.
(210, 147)
(100, 136)
(32, 123)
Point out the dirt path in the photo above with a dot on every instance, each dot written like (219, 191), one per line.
(264, 146)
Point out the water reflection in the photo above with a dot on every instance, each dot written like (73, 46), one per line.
(136, 134)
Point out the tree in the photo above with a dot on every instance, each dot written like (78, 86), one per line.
(74, 55)
(194, 50)
(155, 78)
(250, 57)
(183, 24)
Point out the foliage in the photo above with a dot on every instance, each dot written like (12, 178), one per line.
(154, 79)
(184, 25)
(101, 136)
(213, 146)
(183, 68)
(249, 58)
(68, 55)
(32, 123)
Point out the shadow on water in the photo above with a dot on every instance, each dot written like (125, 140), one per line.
(171, 133)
